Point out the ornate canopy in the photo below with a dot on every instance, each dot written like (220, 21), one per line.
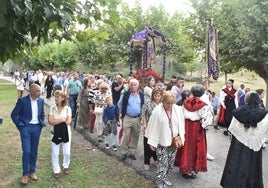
(149, 35)
(148, 39)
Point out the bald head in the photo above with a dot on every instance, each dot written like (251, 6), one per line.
(35, 91)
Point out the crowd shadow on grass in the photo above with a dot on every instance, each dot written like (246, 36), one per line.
(136, 165)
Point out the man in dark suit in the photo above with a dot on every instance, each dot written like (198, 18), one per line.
(28, 116)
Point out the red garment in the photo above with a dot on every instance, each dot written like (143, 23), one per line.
(121, 131)
(230, 94)
(193, 104)
(92, 121)
(193, 155)
(221, 115)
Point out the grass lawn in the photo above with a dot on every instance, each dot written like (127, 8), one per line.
(89, 167)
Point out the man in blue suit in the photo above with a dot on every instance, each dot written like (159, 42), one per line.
(28, 116)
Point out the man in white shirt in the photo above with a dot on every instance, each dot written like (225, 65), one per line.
(28, 116)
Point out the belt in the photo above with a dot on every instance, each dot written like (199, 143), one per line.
(73, 94)
(133, 116)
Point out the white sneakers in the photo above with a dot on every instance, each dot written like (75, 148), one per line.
(210, 157)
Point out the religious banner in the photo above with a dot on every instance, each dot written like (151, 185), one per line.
(212, 53)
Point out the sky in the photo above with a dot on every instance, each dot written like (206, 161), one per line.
(170, 5)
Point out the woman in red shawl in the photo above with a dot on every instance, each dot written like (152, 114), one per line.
(228, 101)
(192, 157)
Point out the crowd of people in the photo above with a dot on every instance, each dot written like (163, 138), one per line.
(119, 111)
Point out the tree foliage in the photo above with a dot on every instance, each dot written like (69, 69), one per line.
(47, 20)
(248, 38)
(53, 56)
(242, 29)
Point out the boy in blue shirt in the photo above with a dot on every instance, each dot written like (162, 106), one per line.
(110, 120)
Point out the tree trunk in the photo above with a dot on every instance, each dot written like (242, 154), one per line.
(262, 71)
(266, 101)
(225, 77)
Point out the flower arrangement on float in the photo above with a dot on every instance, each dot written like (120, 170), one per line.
(143, 73)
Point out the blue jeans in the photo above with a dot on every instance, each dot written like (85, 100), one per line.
(73, 104)
(29, 135)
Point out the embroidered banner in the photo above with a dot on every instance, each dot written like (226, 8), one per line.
(212, 53)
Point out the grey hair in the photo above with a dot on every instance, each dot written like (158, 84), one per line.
(133, 81)
(198, 90)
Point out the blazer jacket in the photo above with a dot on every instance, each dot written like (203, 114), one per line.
(22, 112)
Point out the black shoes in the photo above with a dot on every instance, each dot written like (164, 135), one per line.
(226, 133)
(217, 127)
(189, 176)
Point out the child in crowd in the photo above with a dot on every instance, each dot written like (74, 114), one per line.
(110, 120)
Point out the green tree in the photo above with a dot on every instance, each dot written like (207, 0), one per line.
(48, 20)
(243, 32)
(53, 56)
(45, 58)
(87, 48)
(66, 56)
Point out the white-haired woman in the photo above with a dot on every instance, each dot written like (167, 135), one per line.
(99, 98)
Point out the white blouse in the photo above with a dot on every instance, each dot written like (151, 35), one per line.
(158, 130)
(20, 84)
(204, 115)
(66, 111)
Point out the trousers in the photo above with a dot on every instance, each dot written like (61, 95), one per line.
(66, 152)
(30, 135)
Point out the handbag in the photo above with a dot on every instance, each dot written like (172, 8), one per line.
(176, 142)
(98, 110)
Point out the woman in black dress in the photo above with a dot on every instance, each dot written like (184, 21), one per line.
(249, 129)
(49, 86)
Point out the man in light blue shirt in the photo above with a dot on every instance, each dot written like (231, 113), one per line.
(130, 106)
(215, 103)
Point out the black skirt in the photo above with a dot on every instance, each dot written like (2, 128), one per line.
(243, 167)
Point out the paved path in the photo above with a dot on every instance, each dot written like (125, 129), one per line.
(218, 145)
